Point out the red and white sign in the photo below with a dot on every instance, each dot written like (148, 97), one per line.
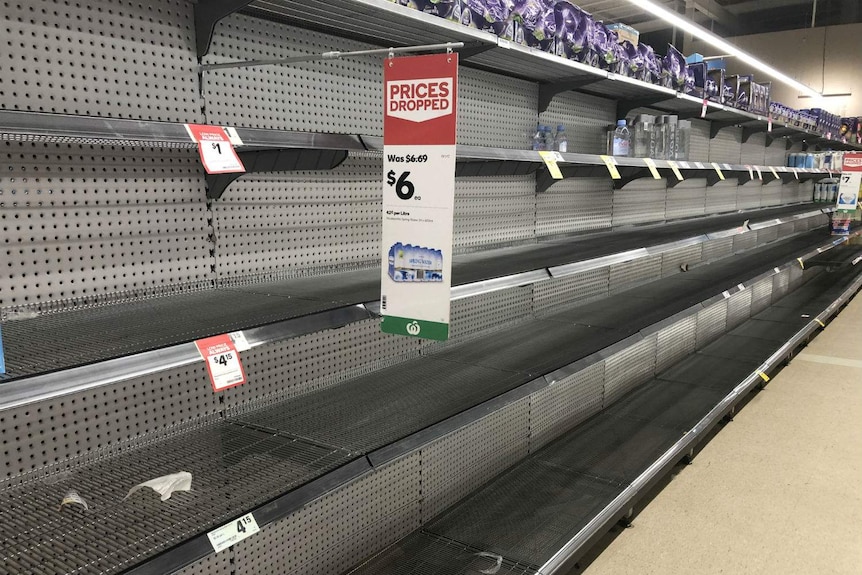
(851, 181)
(419, 102)
(222, 359)
(215, 148)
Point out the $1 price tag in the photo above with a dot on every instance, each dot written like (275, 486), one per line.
(233, 532)
(215, 148)
(222, 359)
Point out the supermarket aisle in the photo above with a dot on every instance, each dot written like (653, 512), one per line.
(776, 491)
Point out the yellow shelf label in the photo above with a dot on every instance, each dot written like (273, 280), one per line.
(612, 167)
(718, 171)
(550, 159)
(653, 170)
(676, 171)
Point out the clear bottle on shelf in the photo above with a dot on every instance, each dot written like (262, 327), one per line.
(671, 146)
(561, 142)
(549, 138)
(642, 128)
(683, 139)
(619, 140)
(657, 139)
(539, 139)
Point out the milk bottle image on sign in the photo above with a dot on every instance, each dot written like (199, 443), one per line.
(420, 103)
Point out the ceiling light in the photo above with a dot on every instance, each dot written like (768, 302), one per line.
(723, 45)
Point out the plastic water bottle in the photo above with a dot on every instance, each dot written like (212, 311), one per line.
(549, 138)
(620, 140)
(539, 139)
(561, 143)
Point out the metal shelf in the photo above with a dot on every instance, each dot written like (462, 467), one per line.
(88, 354)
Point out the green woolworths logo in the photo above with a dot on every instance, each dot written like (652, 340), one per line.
(415, 327)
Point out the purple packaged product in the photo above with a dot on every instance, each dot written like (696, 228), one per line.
(688, 85)
(652, 64)
(488, 15)
(715, 79)
(729, 91)
(534, 23)
(602, 43)
(448, 9)
(634, 61)
(698, 75)
(673, 69)
(574, 27)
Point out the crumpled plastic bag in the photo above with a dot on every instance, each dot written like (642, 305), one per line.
(165, 485)
(73, 497)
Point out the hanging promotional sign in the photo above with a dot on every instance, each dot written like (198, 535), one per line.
(851, 180)
(215, 149)
(419, 98)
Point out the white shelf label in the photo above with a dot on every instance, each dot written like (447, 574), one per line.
(233, 532)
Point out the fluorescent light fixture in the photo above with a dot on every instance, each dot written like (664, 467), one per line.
(722, 44)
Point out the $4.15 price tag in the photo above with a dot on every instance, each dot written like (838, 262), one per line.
(215, 148)
(222, 359)
(233, 532)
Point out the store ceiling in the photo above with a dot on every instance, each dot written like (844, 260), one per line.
(731, 17)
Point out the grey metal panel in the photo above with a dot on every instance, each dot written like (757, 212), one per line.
(334, 532)
(574, 205)
(786, 229)
(766, 235)
(753, 151)
(738, 308)
(672, 260)
(308, 363)
(58, 433)
(472, 315)
(726, 147)
(494, 210)
(565, 403)
(641, 201)
(761, 295)
(717, 249)
(110, 58)
(496, 111)
(675, 342)
(214, 564)
(91, 224)
(627, 275)
(806, 191)
(780, 284)
(687, 199)
(797, 277)
(698, 147)
(775, 154)
(459, 463)
(748, 194)
(744, 241)
(711, 323)
(279, 223)
(586, 119)
(721, 197)
(576, 288)
(629, 368)
(772, 192)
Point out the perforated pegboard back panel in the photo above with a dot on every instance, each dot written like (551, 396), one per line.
(495, 111)
(84, 224)
(586, 119)
(475, 314)
(494, 210)
(675, 341)
(641, 201)
(754, 150)
(311, 362)
(726, 147)
(574, 205)
(721, 197)
(748, 195)
(577, 288)
(460, 462)
(738, 308)
(564, 404)
(772, 192)
(673, 261)
(113, 58)
(716, 249)
(698, 146)
(626, 275)
(776, 153)
(213, 564)
(744, 241)
(629, 368)
(339, 529)
(280, 223)
(686, 200)
(761, 295)
(55, 434)
(711, 323)
(766, 235)
(780, 284)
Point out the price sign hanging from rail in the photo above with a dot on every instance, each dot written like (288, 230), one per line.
(215, 148)
(222, 359)
(851, 181)
(418, 194)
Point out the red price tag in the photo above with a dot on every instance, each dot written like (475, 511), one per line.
(769, 123)
(217, 153)
(222, 359)
(703, 109)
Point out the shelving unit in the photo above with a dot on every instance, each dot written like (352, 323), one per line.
(122, 253)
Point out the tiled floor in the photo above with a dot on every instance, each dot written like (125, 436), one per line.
(777, 490)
